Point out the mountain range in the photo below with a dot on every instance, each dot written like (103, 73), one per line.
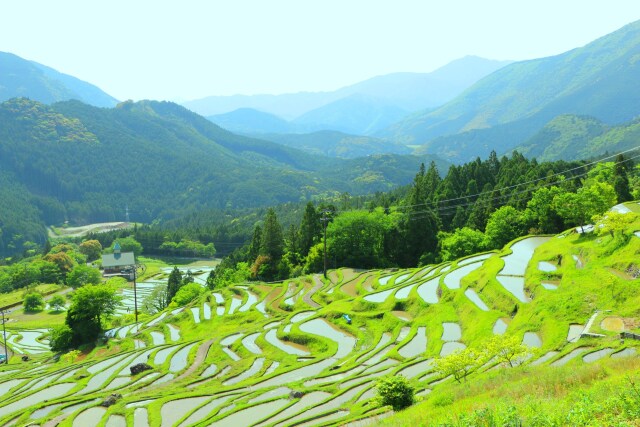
(22, 78)
(407, 91)
(509, 106)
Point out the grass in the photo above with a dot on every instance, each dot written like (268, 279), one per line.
(17, 296)
(579, 395)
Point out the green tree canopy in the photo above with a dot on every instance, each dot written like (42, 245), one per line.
(129, 244)
(396, 392)
(188, 293)
(90, 306)
(57, 302)
(462, 242)
(83, 275)
(33, 302)
(357, 239)
(92, 249)
(504, 225)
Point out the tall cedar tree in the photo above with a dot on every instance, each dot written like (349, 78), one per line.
(421, 224)
(256, 243)
(310, 229)
(621, 180)
(174, 283)
(272, 239)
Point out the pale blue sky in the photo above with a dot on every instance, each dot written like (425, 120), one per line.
(189, 49)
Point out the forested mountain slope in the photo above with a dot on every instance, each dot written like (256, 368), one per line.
(597, 80)
(86, 164)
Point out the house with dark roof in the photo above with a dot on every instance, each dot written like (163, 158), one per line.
(118, 263)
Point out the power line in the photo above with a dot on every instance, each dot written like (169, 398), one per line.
(529, 182)
(502, 196)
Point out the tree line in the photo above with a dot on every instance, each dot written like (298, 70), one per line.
(478, 206)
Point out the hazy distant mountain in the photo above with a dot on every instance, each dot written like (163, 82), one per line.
(513, 103)
(251, 121)
(408, 91)
(337, 144)
(357, 114)
(22, 78)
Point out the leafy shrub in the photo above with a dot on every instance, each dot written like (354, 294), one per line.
(60, 338)
(188, 293)
(57, 302)
(396, 392)
(33, 302)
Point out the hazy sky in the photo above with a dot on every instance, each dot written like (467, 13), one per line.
(189, 49)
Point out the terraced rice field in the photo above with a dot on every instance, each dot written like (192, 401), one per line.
(260, 355)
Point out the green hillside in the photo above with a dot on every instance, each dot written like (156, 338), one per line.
(570, 137)
(286, 354)
(84, 164)
(22, 78)
(337, 144)
(595, 80)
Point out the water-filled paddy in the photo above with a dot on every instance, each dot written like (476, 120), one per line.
(249, 342)
(173, 410)
(546, 266)
(451, 331)
(574, 332)
(475, 298)
(597, 355)
(515, 285)
(379, 297)
(271, 337)
(417, 345)
(428, 291)
(500, 327)
(253, 370)
(179, 360)
(452, 280)
(516, 263)
(321, 327)
(531, 339)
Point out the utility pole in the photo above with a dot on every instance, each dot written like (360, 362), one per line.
(135, 296)
(4, 334)
(325, 220)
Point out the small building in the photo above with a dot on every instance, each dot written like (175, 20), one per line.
(118, 263)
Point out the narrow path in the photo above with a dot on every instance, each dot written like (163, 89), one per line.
(307, 297)
(200, 356)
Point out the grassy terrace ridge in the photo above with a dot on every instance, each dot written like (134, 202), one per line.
(236, 355)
